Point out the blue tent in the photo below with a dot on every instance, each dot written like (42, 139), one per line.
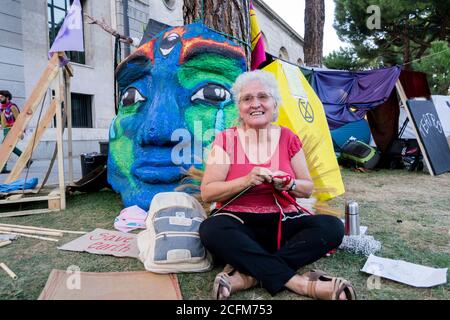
(358, 129)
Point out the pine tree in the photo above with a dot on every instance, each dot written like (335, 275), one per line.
(314, 22)
(405, 30)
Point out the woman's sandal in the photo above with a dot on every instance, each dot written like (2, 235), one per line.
(338, 286)
(223, 280)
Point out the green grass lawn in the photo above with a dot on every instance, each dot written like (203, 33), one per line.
(408, 212)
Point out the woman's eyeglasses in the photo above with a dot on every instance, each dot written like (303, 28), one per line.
(262, 97)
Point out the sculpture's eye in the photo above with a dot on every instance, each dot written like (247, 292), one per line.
(212, 94)
(130, 97)
(168, 43)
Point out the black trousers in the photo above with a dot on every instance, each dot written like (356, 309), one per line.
(251, 247)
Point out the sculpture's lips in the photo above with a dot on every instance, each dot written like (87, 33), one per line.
(156, 171)
(158, 174)
(154, 161)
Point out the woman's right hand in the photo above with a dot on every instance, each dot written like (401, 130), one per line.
(257, 176)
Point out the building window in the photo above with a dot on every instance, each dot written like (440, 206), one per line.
(283, 54)
(57, 10)
(299, 62)
(266, 43)
(81, 110)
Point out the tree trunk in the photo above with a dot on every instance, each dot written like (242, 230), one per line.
(231, 17)
(314, 22)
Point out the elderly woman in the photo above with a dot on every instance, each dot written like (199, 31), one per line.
(262, 238)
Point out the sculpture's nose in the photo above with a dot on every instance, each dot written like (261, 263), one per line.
(162, 118)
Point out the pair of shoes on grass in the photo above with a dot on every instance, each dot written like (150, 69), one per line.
(222, 288)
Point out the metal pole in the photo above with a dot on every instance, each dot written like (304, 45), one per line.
(126, 26)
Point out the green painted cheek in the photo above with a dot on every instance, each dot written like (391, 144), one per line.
(127, 111)
(231, 116)
(122, 150)
(201, 118)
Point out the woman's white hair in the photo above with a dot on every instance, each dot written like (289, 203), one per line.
(265, 78)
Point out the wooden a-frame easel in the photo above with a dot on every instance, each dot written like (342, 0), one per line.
(56, 78)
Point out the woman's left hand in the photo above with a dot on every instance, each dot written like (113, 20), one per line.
(284, 180)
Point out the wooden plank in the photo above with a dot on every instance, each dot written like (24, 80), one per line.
(25, 212)
(69, 125)
(28, 109)
(8, 271)
(30, 191)
(33, 236)
(29, 231)
(5, 243)
(32, 143)
(42, 228)
(403, 98)
(54, 203)
(54, 193)
(59, 140)
(29, 199)
(15, 197)
(69, 70)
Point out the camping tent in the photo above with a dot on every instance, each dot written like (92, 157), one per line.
(350, 96)
(302, 112)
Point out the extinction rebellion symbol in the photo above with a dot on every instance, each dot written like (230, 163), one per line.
(306, 110)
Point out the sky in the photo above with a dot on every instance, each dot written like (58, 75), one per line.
(293, 12)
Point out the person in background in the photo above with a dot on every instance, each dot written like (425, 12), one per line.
(261, 238)
(8, 115)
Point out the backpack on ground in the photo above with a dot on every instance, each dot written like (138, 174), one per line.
(171, 243)
(355, 153)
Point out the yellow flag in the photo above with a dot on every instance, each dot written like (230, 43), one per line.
(303, 113)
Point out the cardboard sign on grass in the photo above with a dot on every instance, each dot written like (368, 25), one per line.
(101, 241)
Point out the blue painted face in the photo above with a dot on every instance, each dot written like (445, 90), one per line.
(177, 83)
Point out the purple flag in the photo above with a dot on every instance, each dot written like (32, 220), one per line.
(70, 36)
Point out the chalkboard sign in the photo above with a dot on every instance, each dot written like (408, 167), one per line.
(431, 137)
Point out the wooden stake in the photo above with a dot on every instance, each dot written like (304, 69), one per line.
(403, 98)
(25, 212)
(29, 231)
(68, 99)
(59, 139)
(34, 237)
(8, 271)
(43, 229)
(5, 243)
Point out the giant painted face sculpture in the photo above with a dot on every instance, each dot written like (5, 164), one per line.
(175, 90)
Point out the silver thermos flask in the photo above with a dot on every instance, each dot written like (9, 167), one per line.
(351, 218)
